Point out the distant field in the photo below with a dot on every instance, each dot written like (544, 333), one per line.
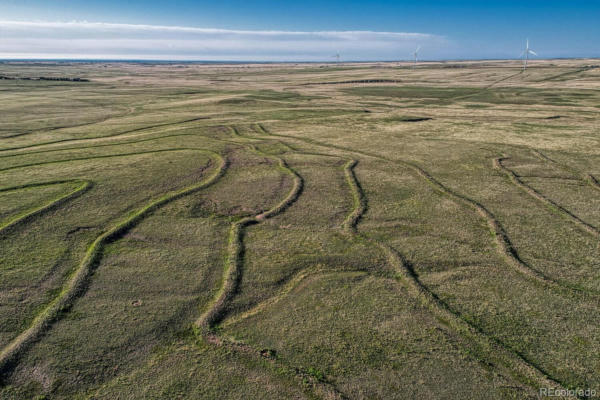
(352, 231)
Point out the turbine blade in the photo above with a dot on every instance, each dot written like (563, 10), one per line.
(418, 48)
(532, 52)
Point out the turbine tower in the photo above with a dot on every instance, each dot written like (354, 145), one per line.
(416, 54)
(526, 54)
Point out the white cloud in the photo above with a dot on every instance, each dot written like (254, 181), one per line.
(92, 40)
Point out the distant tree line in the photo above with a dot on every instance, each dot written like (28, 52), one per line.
(355, 81)
(43, 78)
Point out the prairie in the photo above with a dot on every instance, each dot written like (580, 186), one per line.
(347, 231)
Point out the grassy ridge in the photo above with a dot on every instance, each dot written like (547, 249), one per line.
(490, 350)
(234, 260)
(76, 284)
(27, 216)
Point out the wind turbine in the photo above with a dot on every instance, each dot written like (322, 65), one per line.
(416, 54)
(525, 54)
(337, 56)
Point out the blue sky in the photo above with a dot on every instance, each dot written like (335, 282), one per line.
(296, 31)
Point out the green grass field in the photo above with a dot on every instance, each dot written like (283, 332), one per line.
(357, 231)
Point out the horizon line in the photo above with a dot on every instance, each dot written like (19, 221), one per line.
(216, 61)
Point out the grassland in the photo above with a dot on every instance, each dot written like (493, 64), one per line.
(354, 231)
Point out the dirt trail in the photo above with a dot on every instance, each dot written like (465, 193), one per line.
(592, 180)
(514, 178)
(570, 74)
(588, 178)
(503, 79)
